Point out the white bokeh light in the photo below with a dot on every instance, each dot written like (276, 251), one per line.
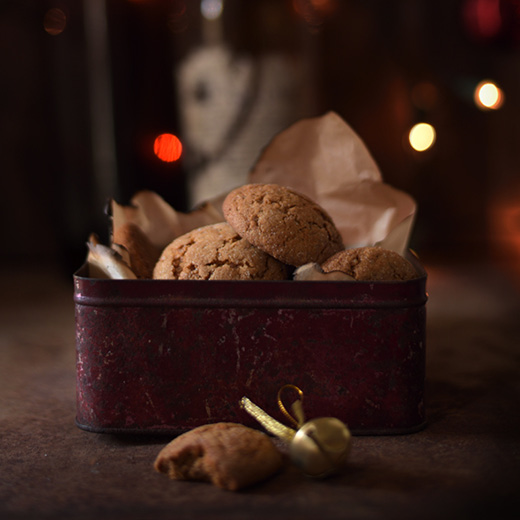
(488, 96)
(422, 137)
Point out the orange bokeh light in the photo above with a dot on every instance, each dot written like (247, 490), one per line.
(167, 147)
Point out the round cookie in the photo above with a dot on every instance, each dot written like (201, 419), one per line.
(216, 252)
(285, 224)
(371, 264)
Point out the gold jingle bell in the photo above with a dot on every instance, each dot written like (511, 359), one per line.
(319, 447)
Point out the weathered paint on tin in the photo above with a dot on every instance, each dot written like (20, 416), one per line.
(157, 356)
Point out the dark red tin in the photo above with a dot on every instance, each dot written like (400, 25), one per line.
(157, 356)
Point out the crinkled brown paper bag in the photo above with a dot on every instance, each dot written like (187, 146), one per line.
(326, 160)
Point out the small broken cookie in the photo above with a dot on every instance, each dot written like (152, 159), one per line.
(228, 455)
(371, 264)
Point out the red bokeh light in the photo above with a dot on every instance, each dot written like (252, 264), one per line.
(167, 147)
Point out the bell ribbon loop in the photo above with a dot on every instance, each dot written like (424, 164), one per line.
(297, 406)
(272, 425)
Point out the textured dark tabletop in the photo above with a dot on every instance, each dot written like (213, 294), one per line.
(465, 464)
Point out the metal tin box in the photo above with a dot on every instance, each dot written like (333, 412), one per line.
(157, 356)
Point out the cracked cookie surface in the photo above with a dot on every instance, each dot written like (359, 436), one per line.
(216, 252)
(229, 455)
(371, 264)
(283, 223)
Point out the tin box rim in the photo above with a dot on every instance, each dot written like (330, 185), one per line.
(251, 293)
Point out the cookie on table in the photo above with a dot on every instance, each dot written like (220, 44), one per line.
(216, 252)
(229, 455)
(371, 264)
(283, 223)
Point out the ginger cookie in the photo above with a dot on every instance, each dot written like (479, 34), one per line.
(283, 223)
(229, 455)
(216, 252)
(371, 264)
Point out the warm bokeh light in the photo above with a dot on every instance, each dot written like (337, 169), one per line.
(488, 96)
(211, 9)
(167, 147)
(54, 21)
(504, 228)
(422, 137)
(483, 18)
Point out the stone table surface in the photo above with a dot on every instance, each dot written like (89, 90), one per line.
(464, 464)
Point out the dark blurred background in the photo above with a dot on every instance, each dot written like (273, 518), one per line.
(87, 86)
